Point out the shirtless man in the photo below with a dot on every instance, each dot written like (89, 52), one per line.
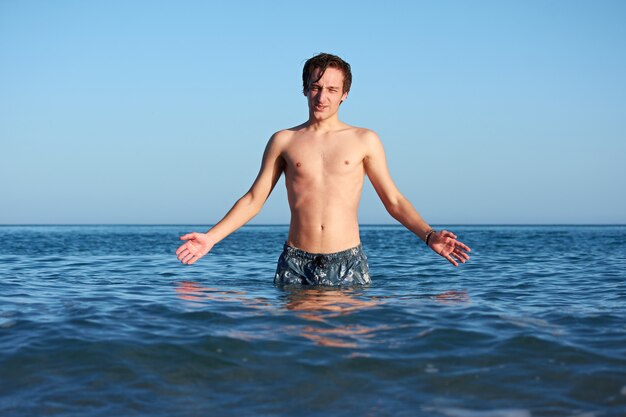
(324, 161)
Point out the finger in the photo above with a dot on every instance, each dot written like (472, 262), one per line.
(461, 253)
(183, 253)
(463, 246)
(188, 236)
(452, 261)
(459, 257)
(186, 258)
(191, 260)
(464, 256)
(181, 248)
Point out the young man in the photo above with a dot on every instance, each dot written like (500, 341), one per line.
(324, 161)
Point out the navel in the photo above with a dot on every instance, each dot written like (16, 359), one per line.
(298, 164)
(321, 227)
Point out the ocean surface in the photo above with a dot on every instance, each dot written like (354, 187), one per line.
(104, 321)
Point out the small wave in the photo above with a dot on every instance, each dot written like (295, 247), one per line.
(463, 412)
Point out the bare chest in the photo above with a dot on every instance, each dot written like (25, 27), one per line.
(317, 159)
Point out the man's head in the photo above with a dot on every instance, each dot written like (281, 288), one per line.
(322, 62)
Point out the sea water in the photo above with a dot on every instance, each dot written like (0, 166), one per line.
(104, 321)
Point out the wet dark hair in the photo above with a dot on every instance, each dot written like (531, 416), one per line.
(323, 61)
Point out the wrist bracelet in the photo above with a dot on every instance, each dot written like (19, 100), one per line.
(428, 235)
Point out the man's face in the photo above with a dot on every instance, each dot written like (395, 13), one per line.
(326, 94)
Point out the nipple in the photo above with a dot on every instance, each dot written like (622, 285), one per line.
(298, 164)
(346, 162)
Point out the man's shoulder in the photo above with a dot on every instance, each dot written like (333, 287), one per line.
(368, 141)
(363, 132)
(284, 135)
(364, 135)
(280, 139)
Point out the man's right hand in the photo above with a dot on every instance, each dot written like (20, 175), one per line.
(196, 246)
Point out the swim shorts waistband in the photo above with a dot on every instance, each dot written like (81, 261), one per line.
(343, 255)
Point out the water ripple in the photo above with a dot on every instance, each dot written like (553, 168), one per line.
(532, 326)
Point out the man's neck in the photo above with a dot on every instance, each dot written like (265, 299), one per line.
(325, 125)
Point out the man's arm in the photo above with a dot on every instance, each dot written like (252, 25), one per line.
(401, 209)
(199, 244)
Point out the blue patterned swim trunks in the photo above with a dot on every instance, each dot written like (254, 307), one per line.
(348, 267)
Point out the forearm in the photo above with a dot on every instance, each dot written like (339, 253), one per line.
(244, 209)
(403, 211)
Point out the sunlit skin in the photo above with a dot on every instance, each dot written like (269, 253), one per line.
(324, 162)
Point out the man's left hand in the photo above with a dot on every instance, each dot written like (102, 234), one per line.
(445, 243)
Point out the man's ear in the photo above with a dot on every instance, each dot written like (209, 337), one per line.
(344, 97)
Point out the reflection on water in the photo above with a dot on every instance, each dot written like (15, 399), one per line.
(320, 306)
(321, 309)
(452, 297)
(193, 291)
(317, 306)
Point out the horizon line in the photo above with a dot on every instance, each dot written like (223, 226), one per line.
(287, 224)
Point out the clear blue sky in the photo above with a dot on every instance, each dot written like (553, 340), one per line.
(158, 112)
